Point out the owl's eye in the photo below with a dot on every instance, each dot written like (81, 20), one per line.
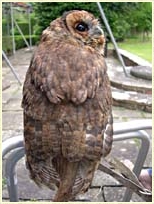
(82, 27)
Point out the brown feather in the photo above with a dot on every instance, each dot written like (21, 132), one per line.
(67, 106)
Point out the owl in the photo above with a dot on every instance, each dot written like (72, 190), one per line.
(67, 105)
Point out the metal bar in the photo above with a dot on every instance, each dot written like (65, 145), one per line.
(12, 26)
(30, 28)
(145, 143)
(112, 37)
(11, 175)
(124, 127)
(138, 189)
(20, 31)
(7, 14)
(11, 67)
(11, 143)
(16, 142)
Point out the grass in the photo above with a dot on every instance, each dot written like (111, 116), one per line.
(138, 47)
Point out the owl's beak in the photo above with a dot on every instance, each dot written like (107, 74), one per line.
(96, 31)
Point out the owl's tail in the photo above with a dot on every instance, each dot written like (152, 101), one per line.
(67, 171)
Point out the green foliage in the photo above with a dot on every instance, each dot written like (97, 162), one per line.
(7, 44)
(46, 11)
(4, 27)
(142, 17)
(19, 42)
(123, 17)
(22, 18)
(120, 28)
(24, 26)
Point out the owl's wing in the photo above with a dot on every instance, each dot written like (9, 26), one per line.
(66, 72)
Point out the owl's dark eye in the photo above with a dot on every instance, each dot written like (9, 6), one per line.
(82, 27)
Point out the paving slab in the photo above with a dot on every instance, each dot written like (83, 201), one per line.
(132, 99)
(130, 83)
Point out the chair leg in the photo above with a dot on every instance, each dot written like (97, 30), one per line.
(11, 175)
(145, 143)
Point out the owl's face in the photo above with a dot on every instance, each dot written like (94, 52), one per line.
(85, 27)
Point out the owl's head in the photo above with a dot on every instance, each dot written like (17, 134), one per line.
(85, 27)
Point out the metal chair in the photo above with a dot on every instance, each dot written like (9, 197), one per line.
(122, 131)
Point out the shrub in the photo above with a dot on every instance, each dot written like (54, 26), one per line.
(24, 28)
(122, 16)
(19, 42)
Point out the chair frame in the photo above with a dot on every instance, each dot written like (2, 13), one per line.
(122, 131)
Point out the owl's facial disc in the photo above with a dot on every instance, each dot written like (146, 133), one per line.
(84, 27)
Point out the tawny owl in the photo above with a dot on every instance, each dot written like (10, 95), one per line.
(67, 105)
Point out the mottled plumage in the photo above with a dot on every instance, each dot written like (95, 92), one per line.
(67, 105)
